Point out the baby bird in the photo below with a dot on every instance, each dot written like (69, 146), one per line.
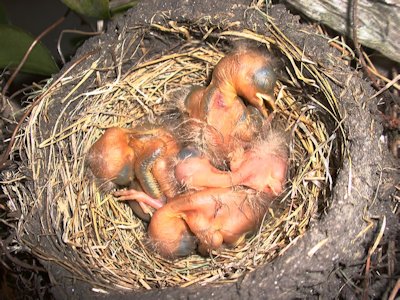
(215, 216)
(225, 121)
(219, 130)
(244, 73)
(262, 167)
(139, 159)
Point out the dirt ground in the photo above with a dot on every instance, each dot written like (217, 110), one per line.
(363, 188)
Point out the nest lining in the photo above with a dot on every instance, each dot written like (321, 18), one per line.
(98, 238)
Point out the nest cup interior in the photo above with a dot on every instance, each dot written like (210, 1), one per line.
(104, 238)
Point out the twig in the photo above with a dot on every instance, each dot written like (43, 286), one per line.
(368, 262)
(28, 52)
(19, 262)
(388, 85)
(71, 31)
(395, 290)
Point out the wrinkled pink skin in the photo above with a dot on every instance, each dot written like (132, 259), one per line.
(215, 216)
(257, 168)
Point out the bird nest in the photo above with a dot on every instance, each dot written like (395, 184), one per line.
(66, 219)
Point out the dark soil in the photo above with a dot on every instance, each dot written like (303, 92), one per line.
(363, 187)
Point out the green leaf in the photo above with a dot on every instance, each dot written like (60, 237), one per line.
(91, 8)
(14, 43)
(119, 6)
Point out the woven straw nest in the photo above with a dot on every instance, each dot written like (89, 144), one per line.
(98, 238)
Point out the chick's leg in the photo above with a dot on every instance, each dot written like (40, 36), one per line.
(140, 209)
(140, 197)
